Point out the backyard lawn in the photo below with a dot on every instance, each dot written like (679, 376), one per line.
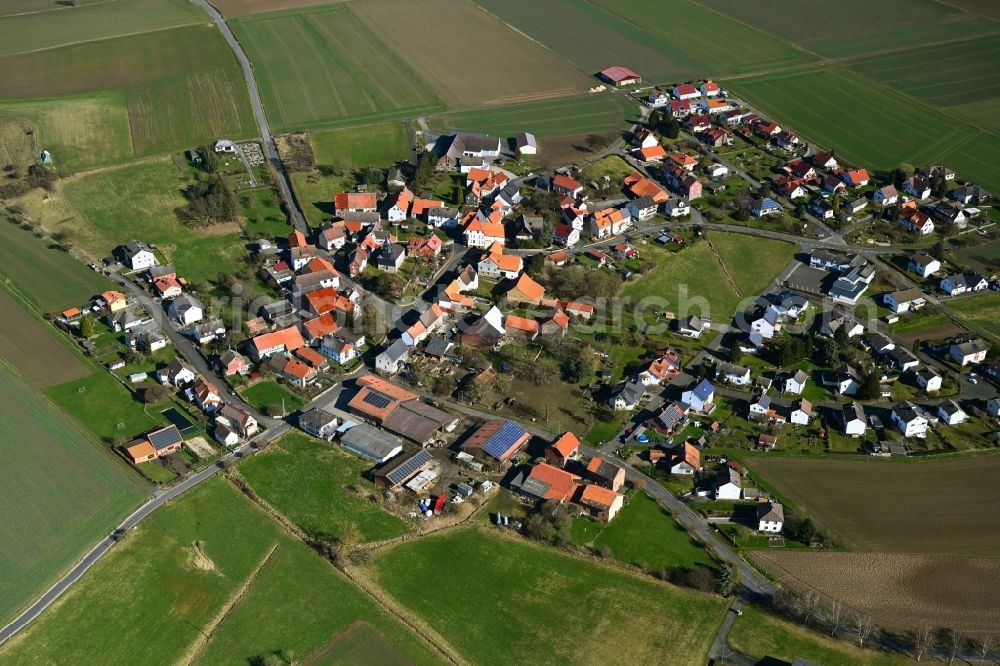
(643, 534)
(269, 393)
(313, 484)
(982, 311)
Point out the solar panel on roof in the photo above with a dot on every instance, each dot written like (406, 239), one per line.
(503, 439)
(406, 469)
(165, 437)
(377, 400)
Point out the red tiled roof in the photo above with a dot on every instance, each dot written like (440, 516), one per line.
(561, 484)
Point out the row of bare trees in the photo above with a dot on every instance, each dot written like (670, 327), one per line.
(831, 616)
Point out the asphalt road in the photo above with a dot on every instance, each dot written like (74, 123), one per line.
(270, 149)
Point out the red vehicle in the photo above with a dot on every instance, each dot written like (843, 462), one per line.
(439, 503)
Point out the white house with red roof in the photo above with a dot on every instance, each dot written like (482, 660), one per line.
(685, 91)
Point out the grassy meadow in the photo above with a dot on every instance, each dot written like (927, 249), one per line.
(134, 95)
(138, 201)
(214, 564)
(312, 483)
(79, 131)
(33, 349)
(762, 635)
(324, 66)
(100, 403)
(268, 393)
(512, 596)
(68, 493)
(981, 310)
(752, 262)
(379, 145)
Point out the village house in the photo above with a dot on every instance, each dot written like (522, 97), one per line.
(627, 396)
(909, 420)
(155, 444)
(885, 196)
(904, 300)
(206, 395)
(796, 383)
(928, 379)
(770, 517)
(679, 207)
(136, 255)
(233, 363)
(563, 449)
(345, 203)
(917, 187)
(923, 264)
(950, 413)
(855, 177)
(393, 357)
(482, 234)
(318, 423)
(728, 484)
(605, 473)
(685, 460)
(916, 221)
(960, 283)
(238, 420)
(970, 351)
(763, 207)
(701, 397)
(265, 345)
(853, 419)
(601, 503)
(609, 222)
(666, 363)
(526, 290)
(176, 374)
(801, 412)
(843, 381)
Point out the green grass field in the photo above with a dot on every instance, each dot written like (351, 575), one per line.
(81, 131)
(50, 278)
(158, 91)
(751, 261)
(138, 201)
(310, 483)
(645, 535)
(510, 601)
(760, 634)
(982, 311)
(692, 277)
(268, 393)
(983, 257)
(376, 145)
(66, 491)
(557, 117)
(322, 67)
(880, 128)
(185, 562)
(102, 405)
(966, 65)
(17, 144)
(92, 21)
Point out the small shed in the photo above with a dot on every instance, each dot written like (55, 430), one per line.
(526, 144)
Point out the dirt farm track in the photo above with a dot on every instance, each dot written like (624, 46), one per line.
(898, 590)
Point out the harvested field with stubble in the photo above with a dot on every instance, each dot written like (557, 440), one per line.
(898, 590)
(931, 506)
(469, 56)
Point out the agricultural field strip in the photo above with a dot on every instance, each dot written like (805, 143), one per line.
(899, 590)
(26, 33)
(355, 87)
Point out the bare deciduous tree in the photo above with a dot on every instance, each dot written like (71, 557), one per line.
(811, 604)
(984, 646)
(923, 641)
(953, 639)
(864, 628)
(835, 615)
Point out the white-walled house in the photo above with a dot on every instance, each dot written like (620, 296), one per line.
(908, 420)
(770, 517)
(950, 413)
(186, 310)
(928, 379)
(701, 397)
(971, 351)
(853, 416)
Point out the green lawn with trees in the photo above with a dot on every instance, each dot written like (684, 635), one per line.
(267, 395)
